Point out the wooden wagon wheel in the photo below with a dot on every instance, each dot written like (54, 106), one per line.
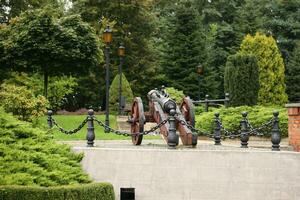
(138, 120)
(188, 111)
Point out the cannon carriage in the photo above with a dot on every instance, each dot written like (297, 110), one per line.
(174, 121)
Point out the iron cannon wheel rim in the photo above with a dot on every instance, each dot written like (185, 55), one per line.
(138, 121)
(188, 111)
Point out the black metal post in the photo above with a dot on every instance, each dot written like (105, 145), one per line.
(206, 103)
(90, 136)
(120, 84)
(276, 137)
(199, 89)
(173, 138)
(49, 119)
(107, 61)
(217, 131)
(226, 102)
(244, 130)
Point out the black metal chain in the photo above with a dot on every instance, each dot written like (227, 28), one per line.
(69, 132)
(193, 129)
(255, 131)
(228, 134)
(127, 134)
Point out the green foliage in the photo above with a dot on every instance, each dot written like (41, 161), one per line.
(271, 68)
(21, 102)
(59, 86)
(95, 191)
(176, 95)
(114, 93)
(293, 75)
(231, 118)
(241, 79)
(30, 157)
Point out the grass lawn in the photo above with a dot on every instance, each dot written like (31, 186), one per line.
(70, 122)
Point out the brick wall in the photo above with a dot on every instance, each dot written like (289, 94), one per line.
(294, 125)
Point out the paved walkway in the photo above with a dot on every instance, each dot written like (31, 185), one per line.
(203, 144)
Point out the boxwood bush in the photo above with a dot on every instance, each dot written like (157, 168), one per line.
(95, 191)
(231, 117)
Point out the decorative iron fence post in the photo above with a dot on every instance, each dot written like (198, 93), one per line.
(206, 103)
(217, 131)
(276, 137)
(49, 119)
(173, 138)
(226, 101)
(90, 136)
(244, 130)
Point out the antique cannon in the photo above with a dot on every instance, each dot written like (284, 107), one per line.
(165, 112)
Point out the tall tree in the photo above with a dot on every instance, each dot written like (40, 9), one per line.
(182, 50)
(271, 68)
(41, 41)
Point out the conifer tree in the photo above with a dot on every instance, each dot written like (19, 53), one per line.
(271, 68)
(241, 79)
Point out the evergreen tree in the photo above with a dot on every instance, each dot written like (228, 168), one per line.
(293, 75)
(181, 50)
(241, 79)
(271, 68)
(114, 93)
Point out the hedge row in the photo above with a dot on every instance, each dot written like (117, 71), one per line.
(231, 118)
(94, 191)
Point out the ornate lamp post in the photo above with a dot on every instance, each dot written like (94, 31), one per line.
(200, 71)
(107, 37)
(121, 53)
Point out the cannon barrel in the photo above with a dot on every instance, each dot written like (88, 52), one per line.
(166, 103)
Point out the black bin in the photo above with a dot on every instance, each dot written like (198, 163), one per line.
(127, 194)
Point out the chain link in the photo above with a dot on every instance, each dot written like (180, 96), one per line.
(228, 134)
(193, 129)
(127, 134)
(70, 132)
(255, 131)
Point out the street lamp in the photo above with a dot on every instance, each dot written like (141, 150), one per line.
(107, 37)
(200, 71)
(121, 53)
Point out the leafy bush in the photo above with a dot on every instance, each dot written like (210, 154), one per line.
(176, 95)
(241, 79)
(58, 86)
(21, 102)
(28, 156)
(231, 118)
(271, 68)
(95, 191)
(114, 93)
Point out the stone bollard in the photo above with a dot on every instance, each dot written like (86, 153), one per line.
(244, 130)
(49, 119)
(217, 131)
(90, 136)
(276, 137)
(294, 125)
(206, 103)
(173, 138)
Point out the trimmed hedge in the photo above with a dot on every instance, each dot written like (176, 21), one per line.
(231, 118)
(94, 191)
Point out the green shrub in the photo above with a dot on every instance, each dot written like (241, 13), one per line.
(58, 86)
(114, 93)
(271, 68)
(21, 102)
(241, 79)
(95, 191)
(176, 95)
(231, 118)
(30, 157)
